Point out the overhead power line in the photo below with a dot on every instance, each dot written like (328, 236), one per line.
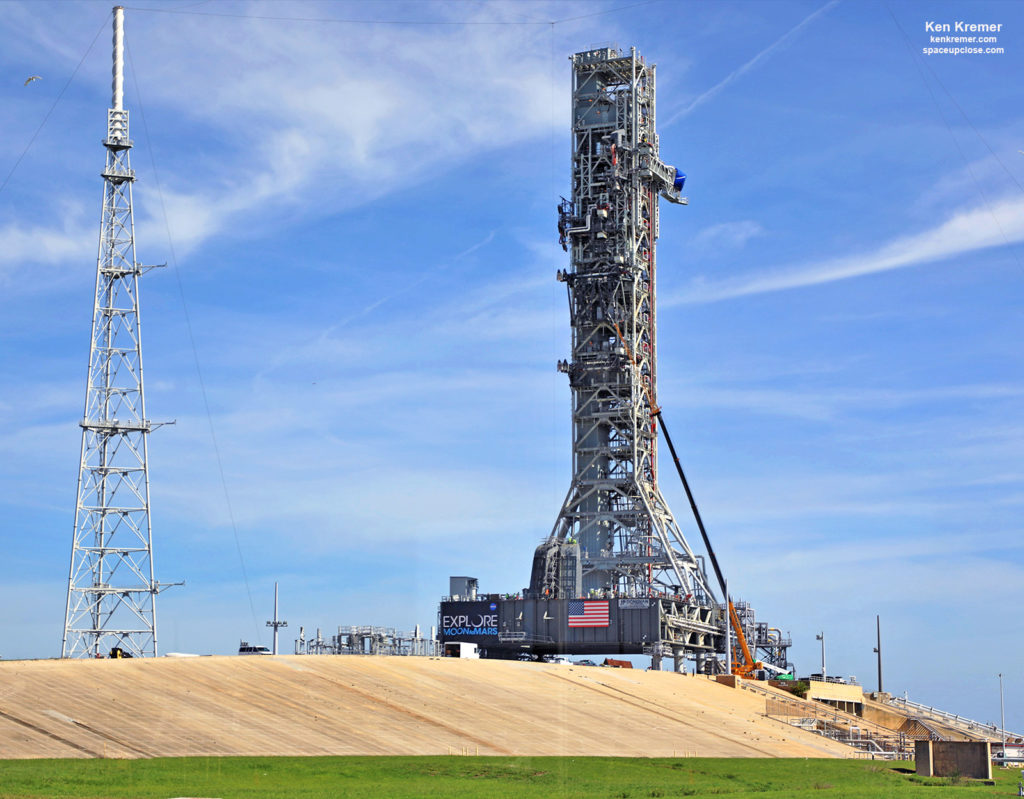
(60, 94)
(349, 21)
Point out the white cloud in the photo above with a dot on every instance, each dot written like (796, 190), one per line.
(70, 241)
(746, 67)
(727, 235)
(325, 118)
(968, 230)
(827, 404)
(300, 118)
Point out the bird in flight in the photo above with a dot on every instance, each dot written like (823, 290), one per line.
(32, 78)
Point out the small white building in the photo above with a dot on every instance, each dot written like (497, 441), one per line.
(461, 649)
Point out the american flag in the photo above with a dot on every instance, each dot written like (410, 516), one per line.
(587, 613)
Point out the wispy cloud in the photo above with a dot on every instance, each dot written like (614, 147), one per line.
(427, 275)
(72, 240)
(828, 404)
(903, 570)
(966, 231)
(303, 120)
(749, 65)
(375, 447)
(323, 120)
(727, 235)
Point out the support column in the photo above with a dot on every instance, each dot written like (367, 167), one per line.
(679, 660)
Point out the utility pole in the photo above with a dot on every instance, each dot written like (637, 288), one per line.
(878, 650)
(824, 674)
(275, 622)
(728, 632)
(1002, 717)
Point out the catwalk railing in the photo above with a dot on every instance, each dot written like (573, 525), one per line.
(954, 721)
(871, 740)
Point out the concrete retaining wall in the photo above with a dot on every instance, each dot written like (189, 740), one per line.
(972, 759)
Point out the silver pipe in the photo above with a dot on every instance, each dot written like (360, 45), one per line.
(117, 85)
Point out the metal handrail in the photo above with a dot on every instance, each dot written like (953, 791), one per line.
(970, 724)
(819, 711)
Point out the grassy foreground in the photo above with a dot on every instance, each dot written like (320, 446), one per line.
(484, 777)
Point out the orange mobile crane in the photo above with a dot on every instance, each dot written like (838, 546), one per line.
(742, 667)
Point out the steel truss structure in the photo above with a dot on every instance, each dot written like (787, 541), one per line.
(629, 543)
(111, 601)
(368, 640)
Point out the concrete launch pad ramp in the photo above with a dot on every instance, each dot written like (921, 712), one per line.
(357, 705)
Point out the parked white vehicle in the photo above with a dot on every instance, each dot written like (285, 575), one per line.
(245, 648)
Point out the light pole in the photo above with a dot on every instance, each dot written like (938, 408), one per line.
(824, 674)
(728, 632)
(276, 623)
(1002, 717)
(878, 650)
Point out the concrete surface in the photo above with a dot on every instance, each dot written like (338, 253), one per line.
(355, 705)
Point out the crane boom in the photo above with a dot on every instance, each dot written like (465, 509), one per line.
(747, 666)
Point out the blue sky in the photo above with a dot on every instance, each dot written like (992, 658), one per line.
(360, 222)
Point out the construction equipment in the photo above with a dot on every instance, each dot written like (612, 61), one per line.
(746, 666)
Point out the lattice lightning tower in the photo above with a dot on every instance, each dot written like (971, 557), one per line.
(615, 532)
(111, 599)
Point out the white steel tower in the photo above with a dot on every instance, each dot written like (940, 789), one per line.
(615, 534)
(111, 601)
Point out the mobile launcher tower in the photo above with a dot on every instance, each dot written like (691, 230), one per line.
(616, 574)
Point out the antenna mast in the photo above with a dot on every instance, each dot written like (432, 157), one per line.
(111, 598)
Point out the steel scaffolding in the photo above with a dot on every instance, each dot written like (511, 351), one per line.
(615, 534)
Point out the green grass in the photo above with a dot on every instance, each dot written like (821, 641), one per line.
(484, 777)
